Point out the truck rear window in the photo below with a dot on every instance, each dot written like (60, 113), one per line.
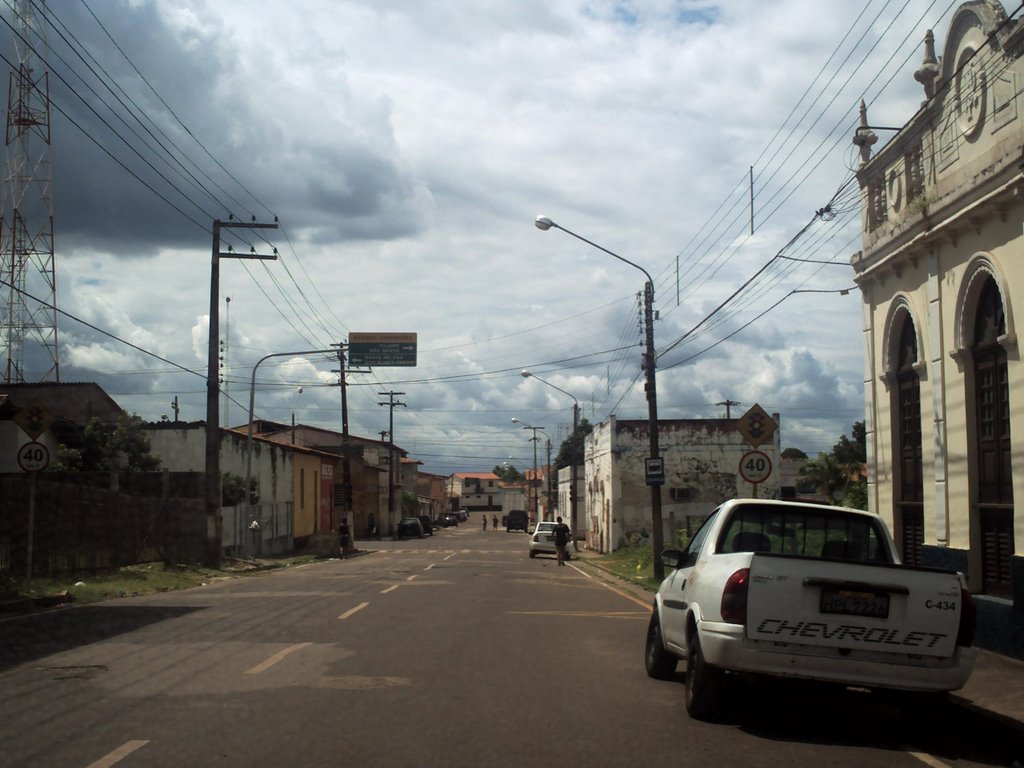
(786, 530)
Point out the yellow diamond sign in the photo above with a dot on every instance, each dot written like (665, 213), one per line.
(34, 419)
(756, 426)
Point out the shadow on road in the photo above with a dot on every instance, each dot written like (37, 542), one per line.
(37, 635)
(809, 714)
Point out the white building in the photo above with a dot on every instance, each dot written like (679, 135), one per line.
(702, 460)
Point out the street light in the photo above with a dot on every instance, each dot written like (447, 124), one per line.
(573, 496)
(252, 407)
(298, 391)
(650, 361)
(534, 439)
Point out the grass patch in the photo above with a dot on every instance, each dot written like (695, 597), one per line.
(132, 580)
(634, 563)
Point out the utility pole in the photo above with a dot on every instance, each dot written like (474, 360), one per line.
(551, 488)
(391, 403)
(728, 404)
(214, 523)
(346, 462)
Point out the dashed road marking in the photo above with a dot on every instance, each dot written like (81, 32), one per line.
(392, 588)
(118, 754)
(928, 759)
(411, 577)
(265, 665)
(351, 611)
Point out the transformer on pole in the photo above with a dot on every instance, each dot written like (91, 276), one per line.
(26, 209)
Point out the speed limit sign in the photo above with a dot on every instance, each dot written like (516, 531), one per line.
(755, 467)
(33, 457)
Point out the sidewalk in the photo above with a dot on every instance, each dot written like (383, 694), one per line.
(996, 687)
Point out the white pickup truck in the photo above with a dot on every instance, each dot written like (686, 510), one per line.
(802, 591)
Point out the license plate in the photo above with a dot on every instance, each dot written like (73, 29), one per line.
(855, 603)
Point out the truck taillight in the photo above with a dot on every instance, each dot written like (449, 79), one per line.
(968, 618)
(734, 597)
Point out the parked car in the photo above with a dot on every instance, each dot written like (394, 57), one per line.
(449, 519)
(463, 515)
(517, 520)
(428, 527)
(409, 527)
(543, 541)
(795, 591)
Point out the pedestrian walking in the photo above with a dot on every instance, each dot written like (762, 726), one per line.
(562, 534)
(494, 522)
(343, 539)
(484, 521)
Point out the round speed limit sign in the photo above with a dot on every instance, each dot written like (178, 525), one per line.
(33, 457)
(755, 467)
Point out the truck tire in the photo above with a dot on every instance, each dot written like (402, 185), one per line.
(703, 684)
(660, 664)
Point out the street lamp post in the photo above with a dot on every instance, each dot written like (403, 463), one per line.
(252, 406)
(657, 535)
(573, 495)
(533, 482)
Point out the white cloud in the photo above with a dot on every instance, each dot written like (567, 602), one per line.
(407, 148)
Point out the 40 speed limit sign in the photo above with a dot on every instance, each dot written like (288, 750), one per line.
(33, 457)
(755, 467)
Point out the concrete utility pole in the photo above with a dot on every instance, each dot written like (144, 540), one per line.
(214, 523)
(346, 462)
(391, 403)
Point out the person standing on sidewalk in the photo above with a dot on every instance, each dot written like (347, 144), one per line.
(562, 534)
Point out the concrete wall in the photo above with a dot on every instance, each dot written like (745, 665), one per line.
(702, 469)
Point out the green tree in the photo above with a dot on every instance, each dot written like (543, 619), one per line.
(571, 451)
(507, 473)
(827, 475)
(840, 474)
(232, 489)
(103, 445)
(410, 504)
(793, 453)
(852, 450)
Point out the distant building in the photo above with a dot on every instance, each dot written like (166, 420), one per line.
(474, 491)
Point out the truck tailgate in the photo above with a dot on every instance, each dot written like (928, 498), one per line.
(850, 605)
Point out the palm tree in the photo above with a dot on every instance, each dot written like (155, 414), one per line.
(828, 475)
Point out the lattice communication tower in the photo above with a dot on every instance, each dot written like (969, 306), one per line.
(26, 209)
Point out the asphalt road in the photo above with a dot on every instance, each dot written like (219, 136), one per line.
(455, 650)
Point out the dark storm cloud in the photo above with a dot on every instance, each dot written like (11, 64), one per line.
(140, 202)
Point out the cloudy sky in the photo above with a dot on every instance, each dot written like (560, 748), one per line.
(406, 149)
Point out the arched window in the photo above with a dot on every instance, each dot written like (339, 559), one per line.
(992, 414)
(909, 517)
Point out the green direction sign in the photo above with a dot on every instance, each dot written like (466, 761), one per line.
(383, 350)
